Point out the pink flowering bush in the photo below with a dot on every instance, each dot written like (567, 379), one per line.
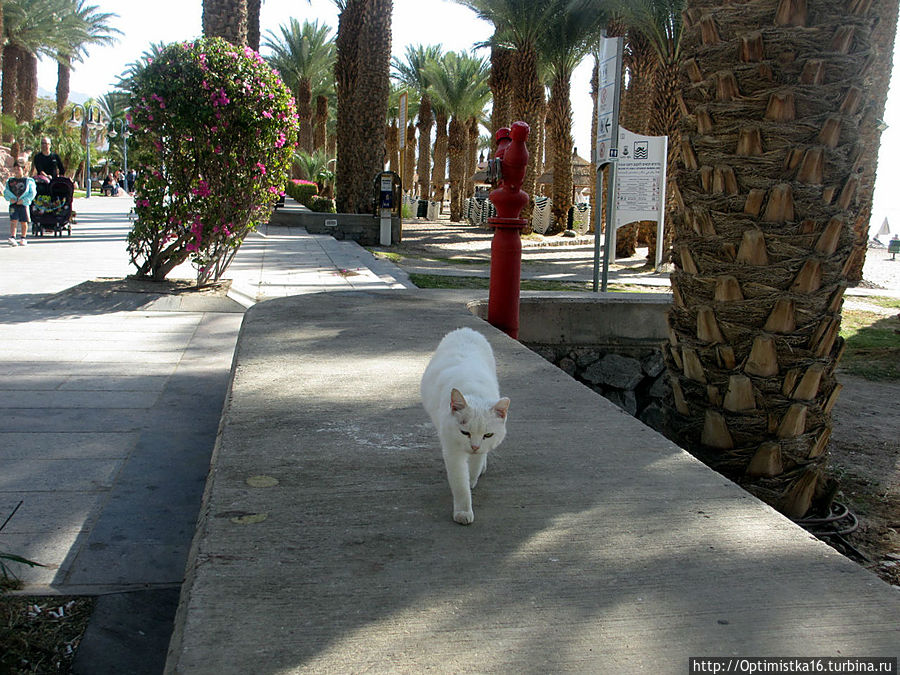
(214, 130)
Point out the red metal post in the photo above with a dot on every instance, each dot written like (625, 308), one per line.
(506, 246)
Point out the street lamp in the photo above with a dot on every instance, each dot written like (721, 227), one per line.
(119, 126)
(89, 122)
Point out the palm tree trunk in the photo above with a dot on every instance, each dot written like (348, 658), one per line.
(559, 134)
(471, 156)
(304, 112)
(441, 142)
(392, 145)
(501, 70)
(320, 140)
(409, 160)
(362, 78)
(10, 82)
(880, 77)
(456, 149)
(63, 76)
(226, 19)
(423, 168)
(528, 106)
(253, 9)
(763, 238)
(27, 87)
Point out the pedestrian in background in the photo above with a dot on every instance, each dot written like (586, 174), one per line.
(19, 192)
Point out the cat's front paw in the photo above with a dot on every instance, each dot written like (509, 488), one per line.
(464, 517)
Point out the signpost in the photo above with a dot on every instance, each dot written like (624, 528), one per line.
(404, 103)
(606, 152)
(637, 166)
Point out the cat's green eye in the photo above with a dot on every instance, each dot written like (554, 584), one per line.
(488, 435)
(464, 433)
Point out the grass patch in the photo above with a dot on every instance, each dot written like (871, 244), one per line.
(398, 258)
(483, 283)
(873, 344)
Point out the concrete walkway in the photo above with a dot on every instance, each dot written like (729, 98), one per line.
(326, 543)
(109, 407)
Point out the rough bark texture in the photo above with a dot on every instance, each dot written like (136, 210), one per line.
(305, 113)
(471, 156)
(501, 88)
(226, 19)
(10, 79)
(409, 159)
(528, 106)
(362, 78)
(767, 202)
(877, 82)
(320, 133)
(63, 77)
(438, 172)
(423, 168)
(559, 134)
(456, 149)
(253, 9)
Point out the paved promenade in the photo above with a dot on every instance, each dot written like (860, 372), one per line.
(110, 403)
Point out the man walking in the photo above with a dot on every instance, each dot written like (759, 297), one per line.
(45, 163)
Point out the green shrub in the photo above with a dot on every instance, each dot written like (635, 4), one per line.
(214, 129)
(321, 204)
(302, 190)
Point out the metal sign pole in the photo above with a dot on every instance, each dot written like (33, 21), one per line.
(614, 75)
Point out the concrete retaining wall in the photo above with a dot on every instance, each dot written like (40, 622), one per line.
(609, 342)
(362, 228)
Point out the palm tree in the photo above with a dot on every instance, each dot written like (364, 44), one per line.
(518, 26)
(89, 27)
(501, 85)
(441, 143)
(566, 40)
(226, 19)
(30, 27)
(763, 237)
(411, 72)
(304, 55)
(362, 74)
(460, 82)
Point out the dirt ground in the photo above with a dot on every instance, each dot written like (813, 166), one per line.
(865, 444)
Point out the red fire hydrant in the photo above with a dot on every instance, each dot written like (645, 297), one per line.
(506, 247)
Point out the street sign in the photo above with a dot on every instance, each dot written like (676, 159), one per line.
(404, 99)
(608, 86)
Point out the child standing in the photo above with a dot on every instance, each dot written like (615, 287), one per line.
(19, 191)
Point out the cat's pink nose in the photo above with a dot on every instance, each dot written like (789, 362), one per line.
(475, 448)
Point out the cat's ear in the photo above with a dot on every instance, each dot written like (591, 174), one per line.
(501, 408)
(457, 400)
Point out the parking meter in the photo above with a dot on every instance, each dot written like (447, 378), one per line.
(388, 200)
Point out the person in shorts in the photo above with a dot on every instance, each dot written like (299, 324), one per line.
(19, 192)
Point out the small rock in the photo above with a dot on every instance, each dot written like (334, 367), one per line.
(653, 364)
(567, 365)
(626, 400)
(618, 372)
(653, 416)
(660, 388)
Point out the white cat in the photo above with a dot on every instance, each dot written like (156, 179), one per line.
(460, 392)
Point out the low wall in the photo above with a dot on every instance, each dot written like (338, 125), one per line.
(610, 342)
(364, 229)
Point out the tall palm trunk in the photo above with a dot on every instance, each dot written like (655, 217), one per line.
(320, 133)
(63, 77)
(26, 86)
(456, 149)
(763, 237)
(441, 142)
(423, 168)
(471, 156)
(393, 146)
(409, 159)
(225, 19)
(502, 61)
(10, 82)
(559, 133)
(879, 77)
(253, 10)
(362, 78)
(305, 113)
(528, 106)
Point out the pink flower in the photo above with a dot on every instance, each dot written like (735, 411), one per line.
(261, 167)
(267, 114)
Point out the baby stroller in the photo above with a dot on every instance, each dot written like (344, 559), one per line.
(52, 206)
